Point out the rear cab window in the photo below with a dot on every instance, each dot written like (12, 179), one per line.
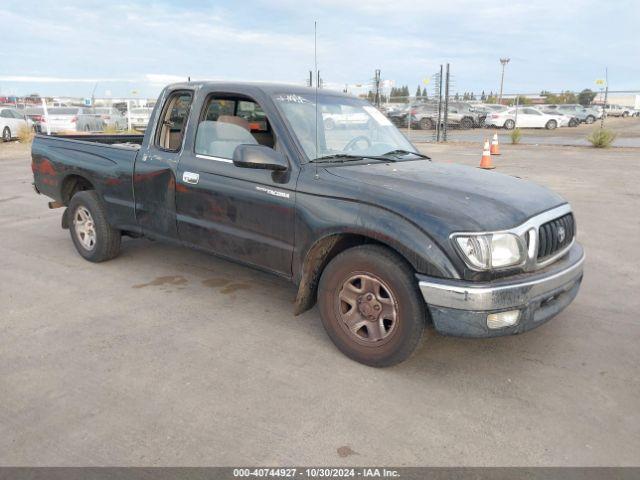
(173, 121)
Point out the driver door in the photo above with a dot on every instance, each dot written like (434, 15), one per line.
(244, 214)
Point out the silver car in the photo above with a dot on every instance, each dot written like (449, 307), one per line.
(112, 117)
(73, 119)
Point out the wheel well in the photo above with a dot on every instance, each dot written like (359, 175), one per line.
(72, 185)
(319, 255)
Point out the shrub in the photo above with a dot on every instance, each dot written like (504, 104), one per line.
(515, 135)
(601, 138)
(25, 134)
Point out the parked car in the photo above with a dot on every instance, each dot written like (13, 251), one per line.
(616, 111)
(112, 117)
(584, 115)
(566, 118)
(11, 121)
(380, 237)
(527, 117)
(339, 116)
(72, 119)
(140, 118)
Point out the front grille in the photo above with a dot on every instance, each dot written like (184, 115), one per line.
(549, 235)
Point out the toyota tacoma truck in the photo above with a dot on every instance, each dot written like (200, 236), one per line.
(383, 239)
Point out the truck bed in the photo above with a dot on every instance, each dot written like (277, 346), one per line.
(107, 139)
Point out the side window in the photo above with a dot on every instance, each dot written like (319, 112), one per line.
(173, 121)
(226, 123)
(6, 114)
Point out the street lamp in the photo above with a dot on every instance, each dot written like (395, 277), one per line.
(504, 62)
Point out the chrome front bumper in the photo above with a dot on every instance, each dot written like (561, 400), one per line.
(461, 308)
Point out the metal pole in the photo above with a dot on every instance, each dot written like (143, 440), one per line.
(46, 115)
(439, 105)
(446, 105)
(129, 115)
(504, 62)
(606, 94)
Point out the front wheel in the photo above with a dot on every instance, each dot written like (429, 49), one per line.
(551, 125)
(590, 119)
(573, 122)
(370, 305)
(466, 123)
(509, 124)
(6, 134)
(426, 124)
(94, 239)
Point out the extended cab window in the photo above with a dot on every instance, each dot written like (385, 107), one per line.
(173, 121)
(226, 123)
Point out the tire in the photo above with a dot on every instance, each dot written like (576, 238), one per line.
(509, 125)
(373, 279)
(6, 134)
(625, 114)
(573, 122)
(551, 125)
(590, 119)
(426, 123)
(466, 123)
(329, 124)
(87, 214)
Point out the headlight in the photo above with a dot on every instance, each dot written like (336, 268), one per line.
(493, 250)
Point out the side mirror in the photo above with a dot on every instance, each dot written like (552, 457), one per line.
(259, 156)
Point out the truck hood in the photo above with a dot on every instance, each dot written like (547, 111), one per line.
(450, 197)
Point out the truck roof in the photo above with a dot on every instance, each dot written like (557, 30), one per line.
(266, 87)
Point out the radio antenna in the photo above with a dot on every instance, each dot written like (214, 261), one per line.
(315, 65)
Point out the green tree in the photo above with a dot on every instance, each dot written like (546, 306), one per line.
(585, 97)
(418, 92)
(424, 93)
(483, 97)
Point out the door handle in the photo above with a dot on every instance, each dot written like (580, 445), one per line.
(191, 177)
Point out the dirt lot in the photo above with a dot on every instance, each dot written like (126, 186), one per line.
(166, 356)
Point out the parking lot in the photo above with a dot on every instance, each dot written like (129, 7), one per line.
(166, 356)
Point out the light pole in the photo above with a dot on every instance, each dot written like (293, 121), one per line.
(504, 62)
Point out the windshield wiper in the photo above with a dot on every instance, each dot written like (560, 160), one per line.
(406, 152)
(345, 157)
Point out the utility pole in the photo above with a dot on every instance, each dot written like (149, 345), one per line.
(446, 104)
(504, 62)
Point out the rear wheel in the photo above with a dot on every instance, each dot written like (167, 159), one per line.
(590, 119)
(370, 305)
(625, 114)
(426, 124)
(94, 239)
(6, 134)
(509, 124)
(551, 125)
(573, 122)
(466, 123)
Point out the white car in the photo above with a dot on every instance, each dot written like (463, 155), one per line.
(527, 117)
(335, 116)
(11, 121)
(140, 118)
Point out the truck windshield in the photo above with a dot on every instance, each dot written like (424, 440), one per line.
(345, 126)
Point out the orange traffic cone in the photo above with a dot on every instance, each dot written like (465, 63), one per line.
(495, 147)
(485, 162)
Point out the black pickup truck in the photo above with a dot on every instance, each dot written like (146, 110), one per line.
(383, 239)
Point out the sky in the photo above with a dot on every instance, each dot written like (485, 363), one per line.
(125, 48)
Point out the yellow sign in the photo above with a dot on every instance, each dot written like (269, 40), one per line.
(426, 80)
(601, 82)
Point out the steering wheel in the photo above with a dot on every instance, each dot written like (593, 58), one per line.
(350, 146)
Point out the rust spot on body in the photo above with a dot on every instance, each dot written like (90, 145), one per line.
(167, 280)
